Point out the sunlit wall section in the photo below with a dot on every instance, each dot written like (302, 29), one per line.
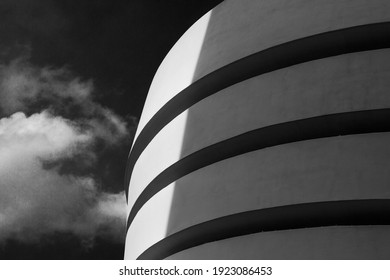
(174, 74)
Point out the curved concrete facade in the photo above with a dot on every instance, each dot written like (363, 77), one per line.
(265, 135)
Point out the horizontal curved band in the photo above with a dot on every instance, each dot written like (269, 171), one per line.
(348, 40)
(307, 215)
(359, 122)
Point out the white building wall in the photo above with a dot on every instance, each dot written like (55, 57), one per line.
(351, 167)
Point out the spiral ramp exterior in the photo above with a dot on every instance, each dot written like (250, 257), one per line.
(265, 135)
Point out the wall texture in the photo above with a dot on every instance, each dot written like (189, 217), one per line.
(265, 135)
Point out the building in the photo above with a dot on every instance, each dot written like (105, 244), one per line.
(265, 135)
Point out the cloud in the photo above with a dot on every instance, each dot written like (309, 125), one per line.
(49, 123)
(41, 134)
(21, 83)
(25, 87)
(35, 201)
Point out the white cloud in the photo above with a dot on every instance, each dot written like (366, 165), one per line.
(36, 201)
(22, 83)
(108, 127)
(40, 134)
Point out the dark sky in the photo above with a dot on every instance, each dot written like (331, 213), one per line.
(117, 43)
(74, 75)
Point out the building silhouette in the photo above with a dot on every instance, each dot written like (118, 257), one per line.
(265, 135)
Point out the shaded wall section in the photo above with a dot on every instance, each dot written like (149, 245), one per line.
(350, 167)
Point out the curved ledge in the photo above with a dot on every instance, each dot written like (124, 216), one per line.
(312, 128)
(307, 215)
(348, 40)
